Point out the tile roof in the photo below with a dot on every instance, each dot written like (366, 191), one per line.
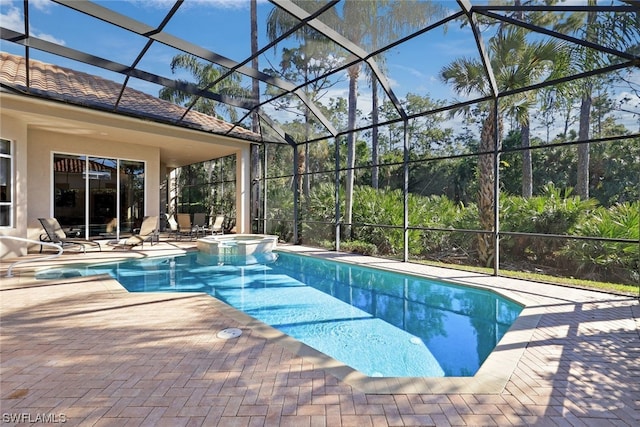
(75, 87)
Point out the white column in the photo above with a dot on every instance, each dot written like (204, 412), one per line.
(243, 190)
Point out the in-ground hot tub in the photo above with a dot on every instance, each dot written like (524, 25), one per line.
(237, 244)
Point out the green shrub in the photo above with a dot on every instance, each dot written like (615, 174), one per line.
(607, 260)
(360, 247)
(553, 212)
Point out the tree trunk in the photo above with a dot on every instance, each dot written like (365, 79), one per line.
(354, 71)
(255, 125)
(486, 197)
(582, 180)
(527, 168)
(303, 161)
(301, 170)
(374, 133)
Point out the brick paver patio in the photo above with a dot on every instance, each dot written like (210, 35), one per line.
(86, 352)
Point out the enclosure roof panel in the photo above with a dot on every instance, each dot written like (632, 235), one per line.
(219, 65)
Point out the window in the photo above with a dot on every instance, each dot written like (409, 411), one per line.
(6, 183)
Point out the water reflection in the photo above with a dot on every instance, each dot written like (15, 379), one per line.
(460, 325)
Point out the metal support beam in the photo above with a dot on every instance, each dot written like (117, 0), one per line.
(147, 46)
(265, 147)
(405, 193)
(76, 55)
(347, 44)
(496, 190)
(482, 49)
(144, 30)
(337, 192)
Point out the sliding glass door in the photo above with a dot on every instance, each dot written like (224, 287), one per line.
(102, 178)
(70, 194)
(98, 197)
(131, 195)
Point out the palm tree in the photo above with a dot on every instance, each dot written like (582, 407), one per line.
(204, 73)
(516, 64)
(522, 114)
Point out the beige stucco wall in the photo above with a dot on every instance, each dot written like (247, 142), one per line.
(243, 191)
(16, 131)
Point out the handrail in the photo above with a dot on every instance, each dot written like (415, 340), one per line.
(37, 242)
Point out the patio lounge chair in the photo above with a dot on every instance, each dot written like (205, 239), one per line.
(173, 225)
(218, 225)
(54, 233)
(185, 228)
(200, 223)
(148, 232)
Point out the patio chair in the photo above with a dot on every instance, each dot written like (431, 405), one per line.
(185, 228)
(110, 229)
(200, 223)
(173, 225)
(54, 233)
(218, 225)
(148, 232)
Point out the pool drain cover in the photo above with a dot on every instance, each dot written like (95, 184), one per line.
(229, 333)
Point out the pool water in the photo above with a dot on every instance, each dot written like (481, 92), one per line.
(380, 323)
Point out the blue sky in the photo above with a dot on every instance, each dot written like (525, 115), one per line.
(222, 26)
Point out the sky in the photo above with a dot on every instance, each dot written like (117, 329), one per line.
(222, 26)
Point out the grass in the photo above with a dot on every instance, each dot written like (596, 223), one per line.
(614, 288)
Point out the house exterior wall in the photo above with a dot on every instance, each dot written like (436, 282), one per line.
(33, 174)
(16, 131)
(39, 128)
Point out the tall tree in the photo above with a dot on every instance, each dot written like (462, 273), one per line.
(355, 22)
(521, 111)
(255, 124)
(309, 61)
(618, 31)
(394, 19)
(515, 63)
(582, 179)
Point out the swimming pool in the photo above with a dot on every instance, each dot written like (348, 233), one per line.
(380, 323)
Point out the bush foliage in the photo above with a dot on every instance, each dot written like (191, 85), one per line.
(552, 226)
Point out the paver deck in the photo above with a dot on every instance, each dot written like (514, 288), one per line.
(87, 352)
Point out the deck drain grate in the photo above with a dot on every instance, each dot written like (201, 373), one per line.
(229, 333)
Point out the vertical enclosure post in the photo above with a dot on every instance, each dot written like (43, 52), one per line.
(496, 190)
(405, 192)
(264, 189)
(296, 195)
(337, 194)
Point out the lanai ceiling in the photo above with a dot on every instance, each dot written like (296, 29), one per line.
(303, 54)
